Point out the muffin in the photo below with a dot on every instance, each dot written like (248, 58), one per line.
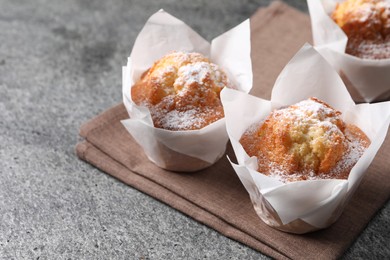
(367, 26)
(181, 91)
(294, 153)
(305, 141)
(172, 98)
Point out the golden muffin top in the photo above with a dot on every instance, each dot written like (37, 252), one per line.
(182, 91)
(367, 25)
(307, 140)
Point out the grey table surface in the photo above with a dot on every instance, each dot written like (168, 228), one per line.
(60, 65)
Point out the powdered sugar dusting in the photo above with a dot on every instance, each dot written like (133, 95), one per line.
(194, 72)
(355, 150)
(181, 119)
(367, 25)
(312, 113)
(305, 141)
(182, 91)
(190, 118)
(341, 170)
(204, 74)
(369, 49)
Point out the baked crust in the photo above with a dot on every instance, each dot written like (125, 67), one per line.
(182, 91)
(367, 25)
(308, 140)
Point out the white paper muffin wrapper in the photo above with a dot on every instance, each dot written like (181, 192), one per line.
(183, 150)
(302, 206)
(369, 79)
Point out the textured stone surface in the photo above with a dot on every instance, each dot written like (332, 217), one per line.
(60, 64)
